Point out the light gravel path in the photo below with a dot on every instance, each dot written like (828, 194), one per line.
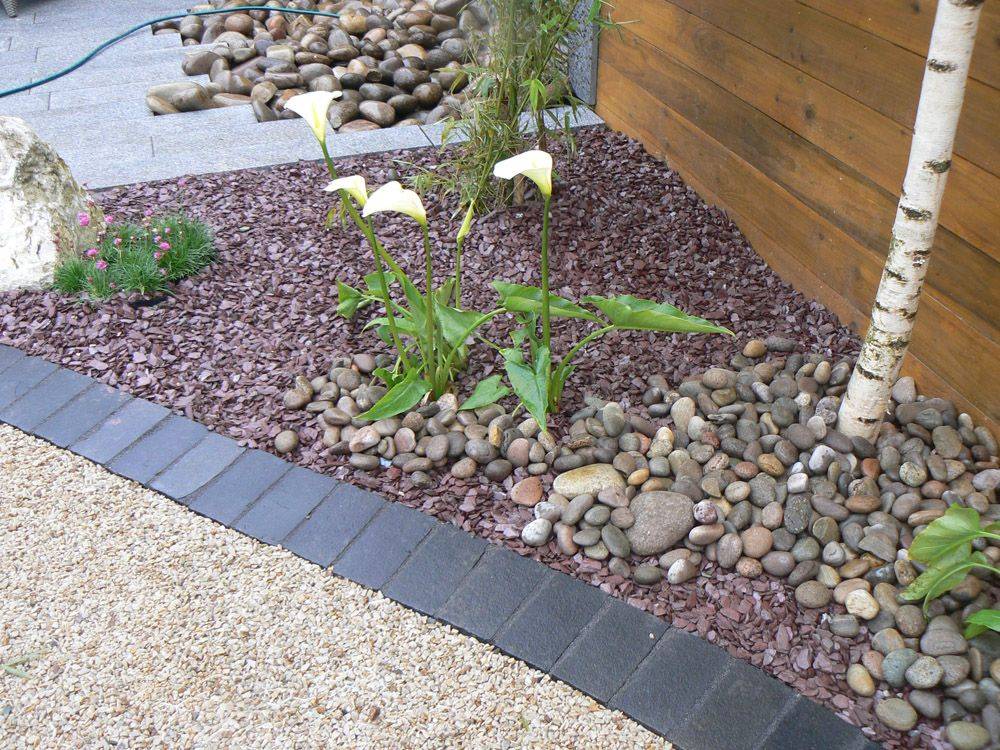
(162, 629)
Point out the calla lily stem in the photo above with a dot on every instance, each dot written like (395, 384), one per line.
(546, 325)
(429, 280)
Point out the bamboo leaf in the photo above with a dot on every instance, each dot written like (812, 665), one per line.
(626, 311)
(528, 299)
(530, 381)
(487, 392)
(401, 397)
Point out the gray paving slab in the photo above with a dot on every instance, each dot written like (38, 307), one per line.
(285, 505)
(171, 439)
(9, 355)
(333, 524)
(233, 491)
(383, 546)
(64, 98)
(88, 77)
(607, 652)
(808, 726)
(120, 430)
(199, 466)
(46, 123)
(81, 415)
(22, 376)
(47, 397)
(435, 569)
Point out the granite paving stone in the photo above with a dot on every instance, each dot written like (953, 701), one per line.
(435, 569)
(328, 529)
(198, 466)
(21, 377)
(157, 450)
(120, 430)
(383, 545)
(45, 398)
(808, 726)
(676, 676)
(542, 629)
(81, 415)
(604, 655)
(492, 591)
(225, 498)
(281, 508)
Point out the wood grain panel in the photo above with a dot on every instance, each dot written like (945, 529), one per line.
(818, 248)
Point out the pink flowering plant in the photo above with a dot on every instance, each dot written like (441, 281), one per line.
(144, 257)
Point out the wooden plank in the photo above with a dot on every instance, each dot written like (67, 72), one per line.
(960, 356)
(967, 277)
(874, 71)
(908, 23)
(853, 133)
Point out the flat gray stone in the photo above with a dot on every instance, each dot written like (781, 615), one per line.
(198, 466)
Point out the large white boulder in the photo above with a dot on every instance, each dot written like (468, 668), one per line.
(40, 206)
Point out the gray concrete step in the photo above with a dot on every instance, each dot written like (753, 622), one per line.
(90, 77)
(123, 92)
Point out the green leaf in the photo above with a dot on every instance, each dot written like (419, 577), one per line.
(981, 621)
(375, 286)
(530, 383)
(456, 324)
(520, 298)
(401, 397)
(404, 325)
(943, 575)
(348, 300)
(954, 530)
(487, 392)
(626, 311)
(388, 377)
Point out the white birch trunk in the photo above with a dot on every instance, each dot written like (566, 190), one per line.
(867, 397)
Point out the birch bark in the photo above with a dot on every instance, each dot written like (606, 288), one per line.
(864, 405)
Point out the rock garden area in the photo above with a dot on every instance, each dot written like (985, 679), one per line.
(698, 477)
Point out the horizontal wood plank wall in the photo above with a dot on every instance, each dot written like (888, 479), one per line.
(796, 117)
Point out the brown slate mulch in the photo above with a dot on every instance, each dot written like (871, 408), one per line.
(224, 349)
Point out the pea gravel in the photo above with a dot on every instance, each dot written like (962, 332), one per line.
(159, 628)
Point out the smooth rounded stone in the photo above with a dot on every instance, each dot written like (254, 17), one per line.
(861, 604)
(763, 490)
(437, 447)
(860, 680)
(737, 491)
(778, 564)
(537, 533)
(846, 626)
(806, 570)
(573, 513)
(551, 511)
(682, 412)
(661, 520)
(647, 575)
(943, 637)
(797, 483)
(913, 474)
(834, 554)
(286, 441)
(826, 530)
(888, 640)
(972, 699)
(748, 567)
(464, 468)
(956, 669)
(483, 452)
(669, 558)
(926, 703)
(728, 550)
(740, 515)
(587, 537)
(706, 534)
(619, 567)
(499, 469)
(622, 518)
(895, 664)
(964, 735)
(924, 673)
(828, 576)
(681, 571)
(616, 541)
(947, 441)
(598, 516)
(872, 661)
(814, 595)
(597, 551)
(564, 539)
(821, 458)
(772, 515)
(527, 492)
(706, 512)
(588, 480)
(757, 541)
(517, 452)
(910, 621)
(952, 710)
(879, 544)
(365, 462)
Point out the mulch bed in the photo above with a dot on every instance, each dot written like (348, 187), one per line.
(224, 349)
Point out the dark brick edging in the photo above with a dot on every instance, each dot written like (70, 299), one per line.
(681, 687)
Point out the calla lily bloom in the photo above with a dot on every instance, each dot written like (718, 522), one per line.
(354, 186)
(312, 108)
(535, 165)
(463, 231)
(393, 197)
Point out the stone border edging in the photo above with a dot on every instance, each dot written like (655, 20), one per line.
(674, 683)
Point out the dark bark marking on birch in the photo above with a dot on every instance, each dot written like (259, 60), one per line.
(916, 214)
(866, 373)
(938, 166)
(966, 3)
(940, 66)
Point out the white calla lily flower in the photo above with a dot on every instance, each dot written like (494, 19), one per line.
(393, 197)
(312, 108)
(535, 165)
(354, 186)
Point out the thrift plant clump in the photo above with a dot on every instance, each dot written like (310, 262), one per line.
(143, 258)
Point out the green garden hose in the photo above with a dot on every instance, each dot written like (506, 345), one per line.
(100, 48)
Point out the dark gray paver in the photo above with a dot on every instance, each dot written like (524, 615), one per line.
(198, 466)
(607, 652)
(327, 531)
(435, 569)
(9, 355)
(81, 415)
(21, 377)
(171, 439)
(285, 505)
(749, 700)
(120, 430)
(809, 726)
(383, 546)
(492, 591)
(677, 675)
(45, 398)
(238, 486)
(550, 621)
